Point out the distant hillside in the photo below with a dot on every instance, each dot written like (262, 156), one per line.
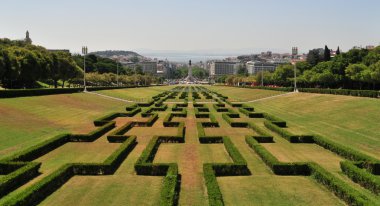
(121, 56)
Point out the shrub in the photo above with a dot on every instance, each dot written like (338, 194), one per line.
(361, 176)
(93, 135)
(38, 150)
(214, 195)
(342, 150)
(338, 187)
(20, 176)
(287, 135)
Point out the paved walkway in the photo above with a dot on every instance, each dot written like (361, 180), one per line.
(106, 96)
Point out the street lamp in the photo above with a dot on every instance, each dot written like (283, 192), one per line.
(84, 52)
(295, 77)
(117, 73)
(262, 74)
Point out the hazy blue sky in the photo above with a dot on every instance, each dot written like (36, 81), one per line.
(183, 25)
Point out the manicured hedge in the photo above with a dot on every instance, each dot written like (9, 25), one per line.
(211, 170)
(275, 120)
(359, 93)
(34, 194)
(215, 197)
(131, 107)
(40, 149)
(93, 135)
(144, 166)
(220, 109)
(40, 190)
(123, 129)
(18, 177)
(258, 130)
(272, 162)
(348, 92)
(338, 187)
(287, 135)
(282, 89)
(361, 176)
(171, 186)
(105, 119)
(342, 150)
(229, 119)
(38, 92)
(145, 104)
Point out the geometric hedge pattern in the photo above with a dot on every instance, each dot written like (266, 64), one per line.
(21, 168)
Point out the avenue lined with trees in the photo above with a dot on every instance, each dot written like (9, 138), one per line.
(355, 69)
(23, 65)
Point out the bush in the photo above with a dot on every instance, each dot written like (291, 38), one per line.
(338, 187)
(272, 162)
(20, 176)
(258, 130)
(93, 135)
(361, 176)
(38, 150)
(287, 135)
(215, 197)
(39, 92)
(277, 121)
(359, 93)
(342, 150)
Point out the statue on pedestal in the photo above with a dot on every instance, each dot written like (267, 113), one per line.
(189, 77)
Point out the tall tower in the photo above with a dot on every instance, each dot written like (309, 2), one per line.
(28, 40)
(294, 52)
(189, 77)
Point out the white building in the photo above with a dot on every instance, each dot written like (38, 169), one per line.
(220, 68)
(149, 67)
(255, 67)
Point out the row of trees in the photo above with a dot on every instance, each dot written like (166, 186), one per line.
(111, 79)
(24, 65)
(182, 72)
(355, 69)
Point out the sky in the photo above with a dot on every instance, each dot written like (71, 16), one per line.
(210, 26)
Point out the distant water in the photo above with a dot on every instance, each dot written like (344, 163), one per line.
(185, 57)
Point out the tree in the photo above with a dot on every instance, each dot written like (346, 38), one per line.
(375, 73)
(283, 74)
(199, 72)
(221, 79)
(337, 51)
(27, 66)
(134, 59)
(267, 77)
(242, 70)
(356, 72)
(372, 57)
(355, 55)
(63, 68)
(326, 54)
(303, 66)
(314, 57)
(4, 63)
(138, 70)
(323, 74)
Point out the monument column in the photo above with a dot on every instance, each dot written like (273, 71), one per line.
(189, 77)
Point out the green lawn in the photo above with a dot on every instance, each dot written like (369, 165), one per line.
(243, 94)
(135, 94)
(26, 121)
(352, 121)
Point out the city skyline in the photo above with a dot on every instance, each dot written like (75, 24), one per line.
(180, 26)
